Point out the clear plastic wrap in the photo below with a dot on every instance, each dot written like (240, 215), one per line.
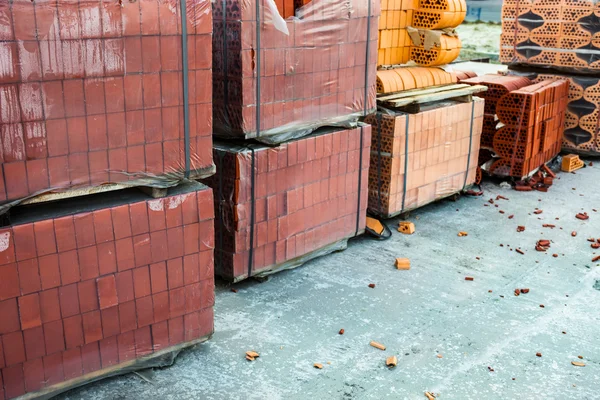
(103, 286)
(94, 92)
(582, 119)
(436, 159)
(278, 207)
(293, 75)
(562, 34)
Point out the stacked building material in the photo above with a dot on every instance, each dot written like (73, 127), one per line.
(554, 33)
(292, 76)
(417, 30)
(399, 79)
(93, 93)
(533, 119)
(419, 158)
(278, 207)
(582, 120)
(104, 287)
(498, 86)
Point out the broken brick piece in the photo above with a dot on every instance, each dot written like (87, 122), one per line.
(596, 259)
(520, 228)
(547, 170)
(341, 332)
(403, 263)
(517, 292)
(538, 354)
(407, 228)
(538, 212)
(462, 233)
(468, 278)
(511, 216)
(372, 285)
(318, 366)
(525, 291)
(519, 251)
(391, 361)
(582, 216)
(574, 233)
(377, 345)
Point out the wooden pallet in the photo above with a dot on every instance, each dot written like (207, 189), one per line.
(411, 100)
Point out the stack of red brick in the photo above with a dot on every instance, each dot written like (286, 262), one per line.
(316, 69)
(92, 92)
(99, 290)
(532, 119)
(279, 207)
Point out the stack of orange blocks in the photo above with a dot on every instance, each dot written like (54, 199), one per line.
(435, 158)
(533, 119)
(556, 33)
(395, 44)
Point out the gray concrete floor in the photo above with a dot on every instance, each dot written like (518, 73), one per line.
(293, 319)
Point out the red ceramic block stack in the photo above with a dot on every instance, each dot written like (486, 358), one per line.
(278, 207)
(316, 69)
(92, 92)
(88, 293)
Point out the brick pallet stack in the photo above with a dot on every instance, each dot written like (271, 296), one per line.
(92, 97)
(306, 70)
(420, 158)
(559, 39)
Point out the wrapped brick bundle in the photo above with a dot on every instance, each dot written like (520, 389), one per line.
(551, 33)
(582, 118)
(278, 207)
(417, 159)
(92, 92)
(103, 287)
(296, 74)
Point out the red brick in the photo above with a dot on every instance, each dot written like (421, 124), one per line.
(191, 269)
(176, 333)
(125, 290)
(7, 250)
(159, 247)
(160, 336)
(14, 381)
(127, 316)
(175, 240)
(107, 291)
(189, 209)
(69, 300)
(49, 271)
(177, 302)
(72, 363)
(143, 341)
(9, 282)
(69, 267)
(121, 222)
(9, 313)
(126, 342)
(73, 328)
(145, 311)
(53, 369)
(158, 277)
(14, 348)
(33, 372)
(29, 310)
(141, 282)
(90, 358)
(139, 218)
(64, 230)
(175, 273)
(29, 276)
(1, 361)
(103, 226)
(88, 296)
(107, 259)
(110, 322)
(207, 234)
(44, 237)
(191, 325)
(16, 187)
(24, 242)
(125, 254)
(49, 305)
(84, 229)
(88, 262)
(161, 306)
(193, 297)
(142, 250)
(109, 352)
(156, 215)
(92, 326)
(34, 343)
(54, 337)
(174, 211)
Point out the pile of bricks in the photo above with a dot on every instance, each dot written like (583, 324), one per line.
(554, 33)
(278, 207)
(399, 79)
(302, 73)
(582, 119)
(498, 86)
(92, 92)
(395, 43)
(420, 158)
(533, 119)
(88, 290)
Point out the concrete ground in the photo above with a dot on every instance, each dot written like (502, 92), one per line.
(293, 319)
